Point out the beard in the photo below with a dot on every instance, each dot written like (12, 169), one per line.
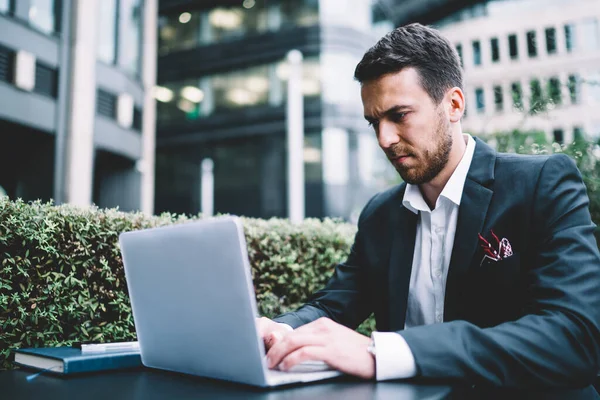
(430, 162)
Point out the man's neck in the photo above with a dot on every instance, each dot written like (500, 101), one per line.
(432, 189)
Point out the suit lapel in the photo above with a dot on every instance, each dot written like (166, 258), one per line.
(404, 227)
(472, 212)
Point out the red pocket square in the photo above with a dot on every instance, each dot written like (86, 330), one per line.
(496, 251)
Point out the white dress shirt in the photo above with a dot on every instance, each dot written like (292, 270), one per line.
(433, 247)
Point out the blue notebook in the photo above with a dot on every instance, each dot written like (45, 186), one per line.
(69, 360)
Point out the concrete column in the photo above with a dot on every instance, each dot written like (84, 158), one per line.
(147, 162)
(295, 138)
(82, 102)
(207, 187)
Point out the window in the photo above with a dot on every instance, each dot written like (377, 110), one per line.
(262, 85)
(551, 40)
(531, 44)
(573, 89)
(480, 100)
(513, 49)
(42, 15)
(589, 34)
(107, 31)
(517, 95)
(476, 52)
(570, 37)
(299, 13)
(194, 28)
(130, 35)
(460, 54)
(558, 135)
(537, 100)
(577, 133)
(495, 50)
(554, 90)
(498, 98)
(5, 6)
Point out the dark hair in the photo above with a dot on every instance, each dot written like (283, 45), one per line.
(417, 46)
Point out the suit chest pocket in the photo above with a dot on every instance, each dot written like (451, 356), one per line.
(502, 275)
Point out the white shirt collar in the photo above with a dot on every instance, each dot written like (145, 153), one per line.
(413, 199)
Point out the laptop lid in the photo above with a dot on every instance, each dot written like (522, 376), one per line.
(193, 301)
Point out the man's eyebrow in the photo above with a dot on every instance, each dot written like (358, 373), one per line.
(391, 110)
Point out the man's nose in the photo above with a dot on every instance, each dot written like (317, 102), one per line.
(388, 135)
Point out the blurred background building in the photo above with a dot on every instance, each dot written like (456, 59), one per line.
(530, 65)
(222, 76)
(76, 105)
(84, 83)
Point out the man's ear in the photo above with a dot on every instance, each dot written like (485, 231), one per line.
(456, 104)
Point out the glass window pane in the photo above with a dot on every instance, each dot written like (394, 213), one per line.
(479, 98)
(517, 95)
(476, 52)
(558, 135)
(41, 15)
(537, 101)
(570, 37)
(573, 89)
(554, 90)
(181, 31)
(531, 44)
(130, 35)
(498, 98)
(495, 50)
(4, 6)
(299, 13)
(551, 40)
(227, 23)
(107, 31)
(460, 54)
(512, 47)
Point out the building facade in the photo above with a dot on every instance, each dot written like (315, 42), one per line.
(221, 95)
(77, 121)
(530, 65)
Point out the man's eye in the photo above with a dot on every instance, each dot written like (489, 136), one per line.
(373, 124)
(398, 117)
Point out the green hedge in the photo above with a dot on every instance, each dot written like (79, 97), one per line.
(62, 278)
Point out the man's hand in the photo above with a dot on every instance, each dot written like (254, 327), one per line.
(270, 331)
(324, 340)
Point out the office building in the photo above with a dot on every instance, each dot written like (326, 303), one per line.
(77, 120)
(531, 65)
(221, 95)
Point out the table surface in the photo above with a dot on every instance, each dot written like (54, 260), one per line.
(153, 384)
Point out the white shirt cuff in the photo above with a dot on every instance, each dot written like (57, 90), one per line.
(287, 326)
(393, 359)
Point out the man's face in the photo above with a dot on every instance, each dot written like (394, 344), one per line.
(411, 129)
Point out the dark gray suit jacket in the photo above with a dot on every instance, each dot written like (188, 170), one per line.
(530, 320)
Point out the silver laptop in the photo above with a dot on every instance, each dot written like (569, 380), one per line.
(194, 306)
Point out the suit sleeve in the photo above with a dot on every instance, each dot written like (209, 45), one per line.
(557, 342)
(344, 298)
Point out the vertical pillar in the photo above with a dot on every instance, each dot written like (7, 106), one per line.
(295, 138)
(207, 188)
(150, 22)
(82, 102)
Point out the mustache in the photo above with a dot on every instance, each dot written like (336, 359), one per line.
(395, 152)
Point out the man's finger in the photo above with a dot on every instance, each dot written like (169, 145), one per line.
(306, 353)
(292, 342)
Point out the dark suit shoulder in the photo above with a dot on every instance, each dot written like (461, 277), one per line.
(531, 166)
(380, 203)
